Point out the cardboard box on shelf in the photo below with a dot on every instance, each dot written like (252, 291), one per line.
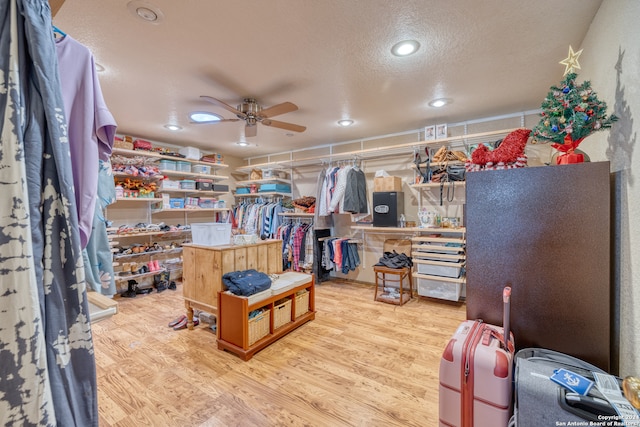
(387, 183)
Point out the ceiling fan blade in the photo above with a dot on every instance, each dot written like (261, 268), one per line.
(214, 121)
(223, 105)
(276, 110)
(283, 125)
(250, 130)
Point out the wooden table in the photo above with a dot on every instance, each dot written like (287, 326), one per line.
(204, 266)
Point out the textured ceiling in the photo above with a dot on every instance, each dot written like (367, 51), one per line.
(329, 57)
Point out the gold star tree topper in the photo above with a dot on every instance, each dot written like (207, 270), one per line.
(571, 62)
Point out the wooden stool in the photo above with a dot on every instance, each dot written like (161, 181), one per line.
(399, 276)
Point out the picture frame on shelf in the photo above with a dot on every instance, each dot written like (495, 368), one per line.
(430, 133)
(441, 131)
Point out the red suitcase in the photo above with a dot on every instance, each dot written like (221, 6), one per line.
(476, 372)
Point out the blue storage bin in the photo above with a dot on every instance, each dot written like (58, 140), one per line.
(167, 165)
(283, 188)
(176, 203)
(188, 184)
(183, 166)
(242, 190)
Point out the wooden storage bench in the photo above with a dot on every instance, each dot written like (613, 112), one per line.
(236, 332)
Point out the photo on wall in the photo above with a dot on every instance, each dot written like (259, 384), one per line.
(430, 133)
(441, 131)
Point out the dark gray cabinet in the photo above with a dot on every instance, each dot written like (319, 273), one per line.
(545, 231)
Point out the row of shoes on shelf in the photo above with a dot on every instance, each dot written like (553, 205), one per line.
(133, 288)
(142, 227)
(141, 248)
(141, 268)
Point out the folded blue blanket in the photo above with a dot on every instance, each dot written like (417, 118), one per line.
(246, 282)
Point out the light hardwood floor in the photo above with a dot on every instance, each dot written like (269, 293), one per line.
(359, 363)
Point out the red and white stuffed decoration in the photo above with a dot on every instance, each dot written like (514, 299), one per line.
(510, 154)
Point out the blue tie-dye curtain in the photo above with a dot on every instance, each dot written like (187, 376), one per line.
(47, 365)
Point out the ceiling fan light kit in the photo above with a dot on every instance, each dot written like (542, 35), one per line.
(252, 113)
(204, 117)
(440, 102)
(405, 48)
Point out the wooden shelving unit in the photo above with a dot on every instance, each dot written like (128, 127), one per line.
(258, 183)
(152, 154)
(143, 209)
(263, 181)
(191, 192)
(181, 174)
(437, 184)
(138, 199)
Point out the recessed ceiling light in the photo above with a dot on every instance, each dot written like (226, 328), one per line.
(173, 127)
(204, 117)
(242, 143)
(147, 14)
(345, 122)
(404, 48)
(145, 11)
(437, 103)
(99, 68)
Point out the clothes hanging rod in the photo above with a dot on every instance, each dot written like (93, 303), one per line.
(348, 239)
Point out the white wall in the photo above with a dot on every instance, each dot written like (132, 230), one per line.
(611, 61)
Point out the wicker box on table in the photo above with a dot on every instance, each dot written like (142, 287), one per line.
(302, 303)
(258, 327)
(282, 313)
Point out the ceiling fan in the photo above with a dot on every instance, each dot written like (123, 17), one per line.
(253, 113)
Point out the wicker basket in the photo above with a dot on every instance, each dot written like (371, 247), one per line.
(258, 327)
(282, 314)
(302, 303)
(255, 175)
(119, 143)
(300, 209)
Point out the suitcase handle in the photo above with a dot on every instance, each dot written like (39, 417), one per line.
(502, 339)
(506, 299)
(589, 408)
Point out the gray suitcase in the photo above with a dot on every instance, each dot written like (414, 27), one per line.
(541, 402)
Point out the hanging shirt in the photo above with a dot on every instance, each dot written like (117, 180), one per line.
(338, 193)
(355, 195)
(91, 127)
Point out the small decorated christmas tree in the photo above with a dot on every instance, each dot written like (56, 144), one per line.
(570, 113)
